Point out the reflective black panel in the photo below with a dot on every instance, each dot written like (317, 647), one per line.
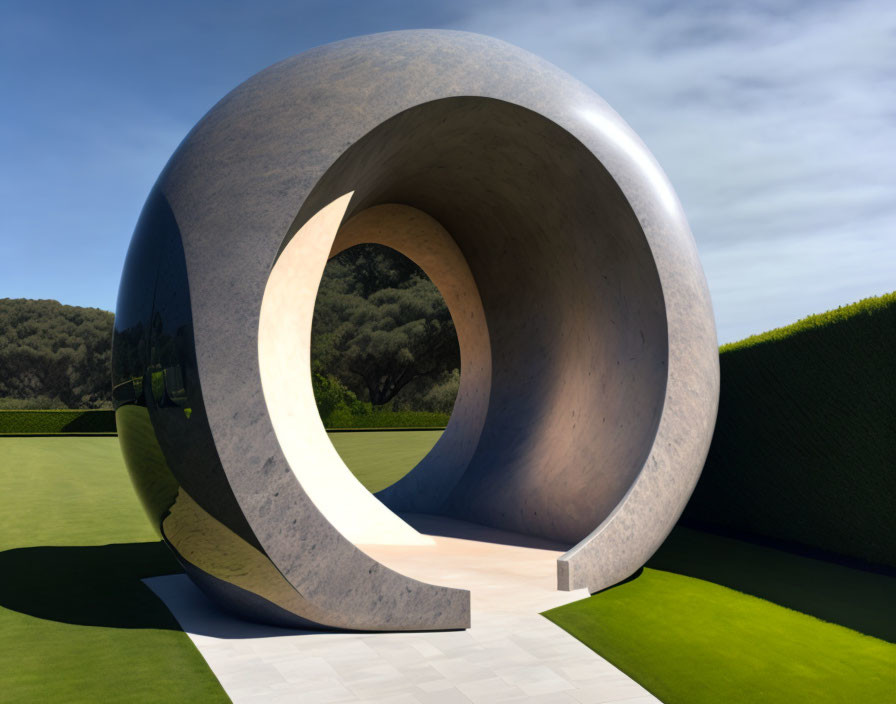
(161, 418)
(131, 374)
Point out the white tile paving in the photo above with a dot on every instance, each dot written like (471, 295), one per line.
(511, 653)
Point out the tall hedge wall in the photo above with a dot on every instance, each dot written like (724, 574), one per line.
(343, 419)
(805, 443)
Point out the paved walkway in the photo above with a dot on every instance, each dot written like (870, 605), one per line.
(510, 654)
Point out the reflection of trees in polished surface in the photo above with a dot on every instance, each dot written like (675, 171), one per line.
(381, 326)
(160, 413)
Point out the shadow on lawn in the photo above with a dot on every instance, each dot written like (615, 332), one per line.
(100, 585)
(89, 586)
(854, 598)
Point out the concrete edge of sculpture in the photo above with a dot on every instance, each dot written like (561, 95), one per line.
(589, 366)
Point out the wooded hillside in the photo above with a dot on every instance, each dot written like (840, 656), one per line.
(54, 356)
(382, 337)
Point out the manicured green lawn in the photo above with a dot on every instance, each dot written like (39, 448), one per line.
(690, 641)
(379, 459)
(76, 622)
(860, 600)
(711, 619)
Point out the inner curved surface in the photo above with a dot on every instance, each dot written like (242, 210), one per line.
(425, 242)
(284, 348)
(573, 309)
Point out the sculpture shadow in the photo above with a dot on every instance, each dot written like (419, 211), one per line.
(855, 598)
(101, 585)
(446, 527)
(89, 586)
(92, 422)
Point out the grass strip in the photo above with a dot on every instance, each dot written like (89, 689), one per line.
(690, 641)
(77, 623)
(379, 459)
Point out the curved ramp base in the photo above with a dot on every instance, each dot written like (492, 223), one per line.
(511, 652)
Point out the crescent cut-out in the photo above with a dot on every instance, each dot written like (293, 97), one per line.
(284, 345)
(589, 377)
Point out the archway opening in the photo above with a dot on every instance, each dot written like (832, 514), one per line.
(385, 361)
(567, 336)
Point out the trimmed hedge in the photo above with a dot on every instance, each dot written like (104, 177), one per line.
(386, 419)
(804, 449)
(47, 422)
(53, 422)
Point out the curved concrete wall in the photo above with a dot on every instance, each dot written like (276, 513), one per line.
(422, 239)
(589, 365)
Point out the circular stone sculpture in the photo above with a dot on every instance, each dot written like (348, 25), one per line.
(589, 376)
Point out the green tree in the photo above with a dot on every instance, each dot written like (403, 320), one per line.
(51, 354)
(331, 395)
(380, 324)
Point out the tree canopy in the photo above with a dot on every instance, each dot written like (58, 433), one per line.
(380, 324)
(381, 334)
(53, 355)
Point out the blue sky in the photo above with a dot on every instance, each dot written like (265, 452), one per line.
(775, 121)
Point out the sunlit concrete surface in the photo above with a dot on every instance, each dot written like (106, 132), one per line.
(589, 360)
(510, 653)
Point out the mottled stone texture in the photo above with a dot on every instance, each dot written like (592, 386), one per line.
(591, 340)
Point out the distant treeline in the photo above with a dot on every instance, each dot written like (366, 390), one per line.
(54, 356)
(382, 340)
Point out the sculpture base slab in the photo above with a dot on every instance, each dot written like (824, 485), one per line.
(511, 652)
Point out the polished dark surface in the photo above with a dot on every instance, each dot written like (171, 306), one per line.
(162, 427)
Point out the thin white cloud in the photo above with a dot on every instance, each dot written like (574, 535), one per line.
(774, 122)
